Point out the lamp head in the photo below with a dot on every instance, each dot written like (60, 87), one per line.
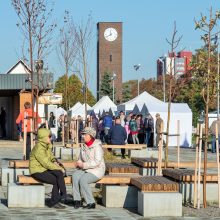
(137, 66)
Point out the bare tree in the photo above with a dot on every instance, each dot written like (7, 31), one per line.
(207, 26)
(83, 34)
(174, 42)
(34, 17)
(67, 50)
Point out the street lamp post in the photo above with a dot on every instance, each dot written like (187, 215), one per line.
(163, 65)
(39, 67)
(113, 86)
(136, 67)
(218, 78)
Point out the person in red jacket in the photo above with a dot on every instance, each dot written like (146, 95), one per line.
(27, 113)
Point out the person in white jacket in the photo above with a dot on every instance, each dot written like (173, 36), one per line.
(90, 168)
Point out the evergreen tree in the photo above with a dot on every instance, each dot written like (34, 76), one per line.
(105, 87)
(126, 92)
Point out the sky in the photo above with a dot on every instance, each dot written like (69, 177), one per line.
(146, 25)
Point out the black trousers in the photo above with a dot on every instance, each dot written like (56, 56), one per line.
(3, 127)
(54, 177)
(122, 151)
(28, 145)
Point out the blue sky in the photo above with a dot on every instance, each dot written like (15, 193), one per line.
(146, 25)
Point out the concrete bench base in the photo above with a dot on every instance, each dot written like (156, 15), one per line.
(187, 190)
(21, 196)
(119, 196)
(66, 153)
(154, 204)
(9, 175)
(153, 153)
(148, 171)
(137, 153)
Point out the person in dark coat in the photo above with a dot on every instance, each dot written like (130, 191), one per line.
(107, 124)
(118, 135)
(94, 123)
(3, 122)
(51, 121)
(148, 128)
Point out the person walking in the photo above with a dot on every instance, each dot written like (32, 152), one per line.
(134, 130)
(90, 168)
(3, 120)
(95, 123)
(52, 120)
(122, 118)
(118, 135)
(80, 128)
(213, 133)
(107, 124)
(44, 167)
(140, 125)
(73, 129)
(27, 114)
(148, 128)
(159, 122)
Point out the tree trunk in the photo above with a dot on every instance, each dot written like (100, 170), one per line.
(168, 123)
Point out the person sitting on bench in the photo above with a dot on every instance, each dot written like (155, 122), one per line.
(44, 167)
(90, 168)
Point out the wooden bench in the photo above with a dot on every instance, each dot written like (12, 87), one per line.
(121, 168)
(155, 184)
(186, 175)
(25, 164)
(108, 180)
(127, 146)
(153, 163)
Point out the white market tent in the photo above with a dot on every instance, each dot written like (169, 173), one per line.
(104, 104)
(75, 107)
(81, 110)
(212, 116)
(146, 103)
(61, 111)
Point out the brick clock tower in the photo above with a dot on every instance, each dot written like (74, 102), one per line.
(109, 55)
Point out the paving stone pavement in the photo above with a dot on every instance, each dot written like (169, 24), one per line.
(8, 152)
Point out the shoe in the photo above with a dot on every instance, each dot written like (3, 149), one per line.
(55, 205)
(77, 204)
(58, 206)
(123, 157)
(65, 199)
(89, 206)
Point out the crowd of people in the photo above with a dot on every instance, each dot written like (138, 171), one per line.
(90, 165)
(135, 129)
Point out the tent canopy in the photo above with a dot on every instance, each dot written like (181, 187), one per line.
(149, 103)
(81, 110)
(76, 106)
(104, 104)
(61, 111)
(146, 103)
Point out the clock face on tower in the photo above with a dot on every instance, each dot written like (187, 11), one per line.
(110, 34)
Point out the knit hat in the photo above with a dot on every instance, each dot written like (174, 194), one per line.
(89, 130)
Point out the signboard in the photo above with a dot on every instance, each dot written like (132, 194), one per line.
(51, 98)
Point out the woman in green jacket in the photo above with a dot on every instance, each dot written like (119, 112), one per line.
(43, 167)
